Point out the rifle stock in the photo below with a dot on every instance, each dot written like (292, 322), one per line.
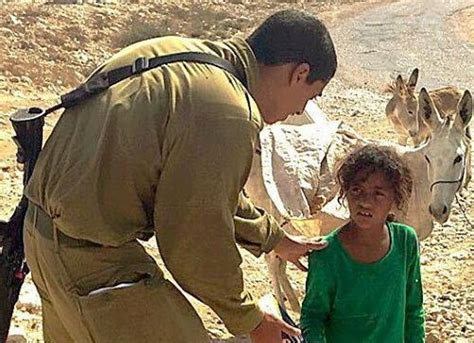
(3, 230)
(13, 267)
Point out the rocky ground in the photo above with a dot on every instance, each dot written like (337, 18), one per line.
(45, 50)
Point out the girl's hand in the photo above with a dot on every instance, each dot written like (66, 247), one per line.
(292, 248)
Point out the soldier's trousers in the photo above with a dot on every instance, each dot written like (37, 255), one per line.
(92, 293)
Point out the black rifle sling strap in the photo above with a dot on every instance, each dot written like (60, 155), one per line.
(101, 81)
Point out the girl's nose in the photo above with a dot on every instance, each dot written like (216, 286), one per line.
(365, 200)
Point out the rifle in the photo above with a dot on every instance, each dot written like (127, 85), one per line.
(28, 125)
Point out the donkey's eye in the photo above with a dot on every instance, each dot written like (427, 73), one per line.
(457, 159)
(410, 113)
(427, 159)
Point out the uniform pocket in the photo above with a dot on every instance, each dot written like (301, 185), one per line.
(117, 313)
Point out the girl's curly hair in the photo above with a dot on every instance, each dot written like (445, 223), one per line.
(372, 158)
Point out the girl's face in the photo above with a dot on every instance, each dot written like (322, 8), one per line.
(370, 199)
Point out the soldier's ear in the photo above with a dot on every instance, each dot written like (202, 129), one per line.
(413, 80)
(465, 108)
(427, 110)
(300, 73)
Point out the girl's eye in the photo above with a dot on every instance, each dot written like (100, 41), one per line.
(355, 190)
(379, 194)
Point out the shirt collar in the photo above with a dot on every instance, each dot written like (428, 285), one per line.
(246, 60)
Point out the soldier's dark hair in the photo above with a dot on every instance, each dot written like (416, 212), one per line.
(360, 164)
(293, 36)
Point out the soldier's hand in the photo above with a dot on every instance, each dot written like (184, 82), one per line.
(270, 330)
(293, 248)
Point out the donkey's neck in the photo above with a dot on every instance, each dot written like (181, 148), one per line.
(417, 214)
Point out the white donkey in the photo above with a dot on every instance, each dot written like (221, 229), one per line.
(438, 167)
(447, 153)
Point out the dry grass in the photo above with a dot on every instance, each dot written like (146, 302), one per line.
(203, 19)
(71, 40)
(192, 19)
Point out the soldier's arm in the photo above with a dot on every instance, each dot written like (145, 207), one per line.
(255, 230)
(205, 166)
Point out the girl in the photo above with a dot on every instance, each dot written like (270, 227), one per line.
(366, 285)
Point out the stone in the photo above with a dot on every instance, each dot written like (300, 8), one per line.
(4, 167)
(25, 79)
(16, 335)
(432, 337)
(14, 19)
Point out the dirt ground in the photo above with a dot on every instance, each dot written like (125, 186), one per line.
(40, 42)
(463, 23)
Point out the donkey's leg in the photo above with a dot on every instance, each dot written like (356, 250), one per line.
(273, 263)
(288, 288)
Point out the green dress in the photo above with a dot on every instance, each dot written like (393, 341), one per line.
(348, 301)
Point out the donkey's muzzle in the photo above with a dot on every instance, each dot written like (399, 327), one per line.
(439, 214)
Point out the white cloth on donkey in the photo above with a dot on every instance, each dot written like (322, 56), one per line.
(291, 157)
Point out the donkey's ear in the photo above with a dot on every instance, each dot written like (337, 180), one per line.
(465, 108)
(400, 84)
(413, 79)
(427, 110)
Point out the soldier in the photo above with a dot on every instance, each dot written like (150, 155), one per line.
(167, 152)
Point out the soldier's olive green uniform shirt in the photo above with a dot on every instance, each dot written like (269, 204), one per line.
(168, 150)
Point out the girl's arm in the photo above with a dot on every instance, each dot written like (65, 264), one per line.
(318, 299)
(415, 316)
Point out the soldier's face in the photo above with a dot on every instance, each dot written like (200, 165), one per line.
(297, 92)
(285, 91)
(301, 93)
